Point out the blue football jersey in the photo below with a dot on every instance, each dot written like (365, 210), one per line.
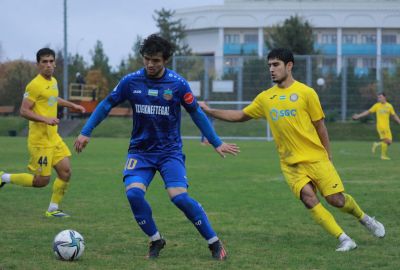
(156, 105)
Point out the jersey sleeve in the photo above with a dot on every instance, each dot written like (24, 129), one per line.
(187, 99)
(314, 106)
(255, 109)
(373, 108)
(119, 93)
(31, 92)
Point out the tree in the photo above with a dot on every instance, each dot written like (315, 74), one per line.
(295, 34)
(14, 76)
(76, 64)
(100, 59)
(172, 30)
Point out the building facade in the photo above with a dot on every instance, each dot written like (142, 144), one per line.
(369, 30)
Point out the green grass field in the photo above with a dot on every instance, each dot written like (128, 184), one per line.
(261, 223)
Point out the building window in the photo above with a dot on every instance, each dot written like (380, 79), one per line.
(349, 39)
(369, 63)
(368, 39)
(250, 38)
(328, 39)
(389, 39)
(232, 38)
(388, 63)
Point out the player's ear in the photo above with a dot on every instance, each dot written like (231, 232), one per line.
(289, 66)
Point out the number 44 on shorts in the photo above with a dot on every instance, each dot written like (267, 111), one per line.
(43, 161)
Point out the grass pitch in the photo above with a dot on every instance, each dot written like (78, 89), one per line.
(250, 206)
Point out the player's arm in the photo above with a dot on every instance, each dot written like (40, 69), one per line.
(68, 104)
(99, 114)
(396, 118)
(323, 135)
(357, 116)
(202, 122)
(225, 115)
(26, 111)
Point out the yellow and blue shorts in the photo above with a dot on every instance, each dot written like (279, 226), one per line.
(321, 174)
(43, 159)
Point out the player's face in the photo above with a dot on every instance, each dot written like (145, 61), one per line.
(278, 70)
(381, 98)
(154, 65)
(46, 66)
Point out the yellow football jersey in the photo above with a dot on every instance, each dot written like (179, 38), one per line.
(383, 112)
(290, 113)
(44, 94)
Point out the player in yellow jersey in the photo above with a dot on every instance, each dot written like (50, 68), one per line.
(383, 110)
(47, 149)
(295, 116)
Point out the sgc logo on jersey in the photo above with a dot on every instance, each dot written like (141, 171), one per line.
(276, 114)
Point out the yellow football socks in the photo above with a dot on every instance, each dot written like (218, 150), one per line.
(22, 179)
(351, 207)
(384, 149)
(326, 220)
(59, 188)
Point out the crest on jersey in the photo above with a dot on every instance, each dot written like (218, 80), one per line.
(188, 97)
(167, 95)
(294, 97)
(52, 100)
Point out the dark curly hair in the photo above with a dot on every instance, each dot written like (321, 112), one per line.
(154, 44)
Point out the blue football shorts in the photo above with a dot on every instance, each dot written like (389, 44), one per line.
(144, 166)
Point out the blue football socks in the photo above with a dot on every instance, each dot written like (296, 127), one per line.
(196, 214)
(142, 211)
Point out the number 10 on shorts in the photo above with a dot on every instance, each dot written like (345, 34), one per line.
(130, 164)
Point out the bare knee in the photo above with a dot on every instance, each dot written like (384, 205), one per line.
(65, 174)
(41, 181)
(308, 196)
(336, 200)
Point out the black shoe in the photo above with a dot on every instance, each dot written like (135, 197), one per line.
(218, 251)
(155, 248)
(1, 181)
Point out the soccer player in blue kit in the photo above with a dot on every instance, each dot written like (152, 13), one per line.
(156, 95)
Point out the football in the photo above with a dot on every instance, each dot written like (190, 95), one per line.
(68, 245)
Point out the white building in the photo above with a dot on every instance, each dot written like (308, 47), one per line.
(369, 29)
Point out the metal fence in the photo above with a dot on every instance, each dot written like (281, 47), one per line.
(344, 85)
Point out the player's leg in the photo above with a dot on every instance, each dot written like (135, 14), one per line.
(173, 172)
(384, 151)
(331, 187)
(324, 218)
(375, 145)
(347, 204)
(138, 174)
(386, 139)
(62, 165)
(297, 177)
(39, 166)
(196, 214)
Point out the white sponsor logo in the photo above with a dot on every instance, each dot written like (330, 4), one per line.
(137, 91)
(152, 109)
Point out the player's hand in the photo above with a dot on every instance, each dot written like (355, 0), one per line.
(203, 106)
(80, 108)
(355, 117)
(81, 143)
(227, 148)
(52, 121)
